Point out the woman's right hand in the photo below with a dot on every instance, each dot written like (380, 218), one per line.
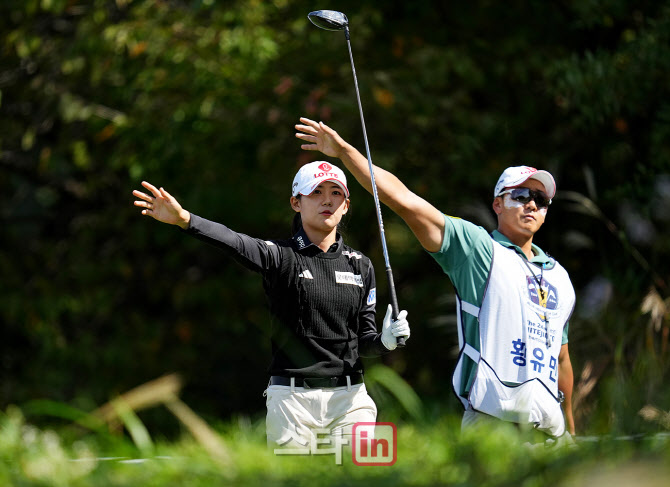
(161, 206)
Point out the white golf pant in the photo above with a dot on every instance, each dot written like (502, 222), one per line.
(295, 413)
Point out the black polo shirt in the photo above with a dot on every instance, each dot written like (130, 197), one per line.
(322, 304)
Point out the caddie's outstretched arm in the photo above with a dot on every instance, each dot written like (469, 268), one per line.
(426, 221)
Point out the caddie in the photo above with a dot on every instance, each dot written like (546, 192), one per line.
(514, 300)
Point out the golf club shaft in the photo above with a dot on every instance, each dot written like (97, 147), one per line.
(387, 263)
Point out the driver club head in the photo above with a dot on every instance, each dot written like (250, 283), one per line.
(329, 19)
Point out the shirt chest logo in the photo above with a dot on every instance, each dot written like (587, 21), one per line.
(306, 274)
(348, 278)
(545, 294)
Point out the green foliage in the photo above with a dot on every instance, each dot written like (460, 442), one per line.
(433, 454)
(383, 382)
(201, 97)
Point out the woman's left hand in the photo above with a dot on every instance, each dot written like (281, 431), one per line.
(393, 329)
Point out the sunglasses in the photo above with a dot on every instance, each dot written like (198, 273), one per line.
(525, 195)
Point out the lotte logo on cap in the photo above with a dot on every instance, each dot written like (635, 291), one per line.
(325, 167)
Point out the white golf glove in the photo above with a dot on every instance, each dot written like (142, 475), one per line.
(392, 329)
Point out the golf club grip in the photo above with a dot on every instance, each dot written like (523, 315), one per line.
(394, 303)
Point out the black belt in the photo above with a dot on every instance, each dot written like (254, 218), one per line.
(316, 382)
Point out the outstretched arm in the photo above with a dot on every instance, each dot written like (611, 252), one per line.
(426, 221)
(161, 206)
(565, 384)
(253, 253)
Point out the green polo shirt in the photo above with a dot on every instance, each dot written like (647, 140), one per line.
(466, 257)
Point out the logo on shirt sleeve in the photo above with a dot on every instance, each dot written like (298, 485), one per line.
(372, 296)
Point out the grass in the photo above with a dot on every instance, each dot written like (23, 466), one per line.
(112, 447)
(428, 454)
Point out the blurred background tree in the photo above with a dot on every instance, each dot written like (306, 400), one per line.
(201, 97)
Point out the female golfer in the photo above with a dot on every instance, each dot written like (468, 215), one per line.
(322, 297)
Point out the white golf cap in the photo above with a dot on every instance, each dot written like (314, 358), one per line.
(516, 175)
(311, 175)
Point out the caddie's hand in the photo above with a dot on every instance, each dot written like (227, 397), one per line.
(392, 329)
(161, 206)
(322, 137)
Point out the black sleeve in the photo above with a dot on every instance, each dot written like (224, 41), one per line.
(369, 341)
(253, 253)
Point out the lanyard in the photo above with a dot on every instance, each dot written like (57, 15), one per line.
(542, 295)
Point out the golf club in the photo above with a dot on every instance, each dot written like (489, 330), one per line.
(333, 20)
